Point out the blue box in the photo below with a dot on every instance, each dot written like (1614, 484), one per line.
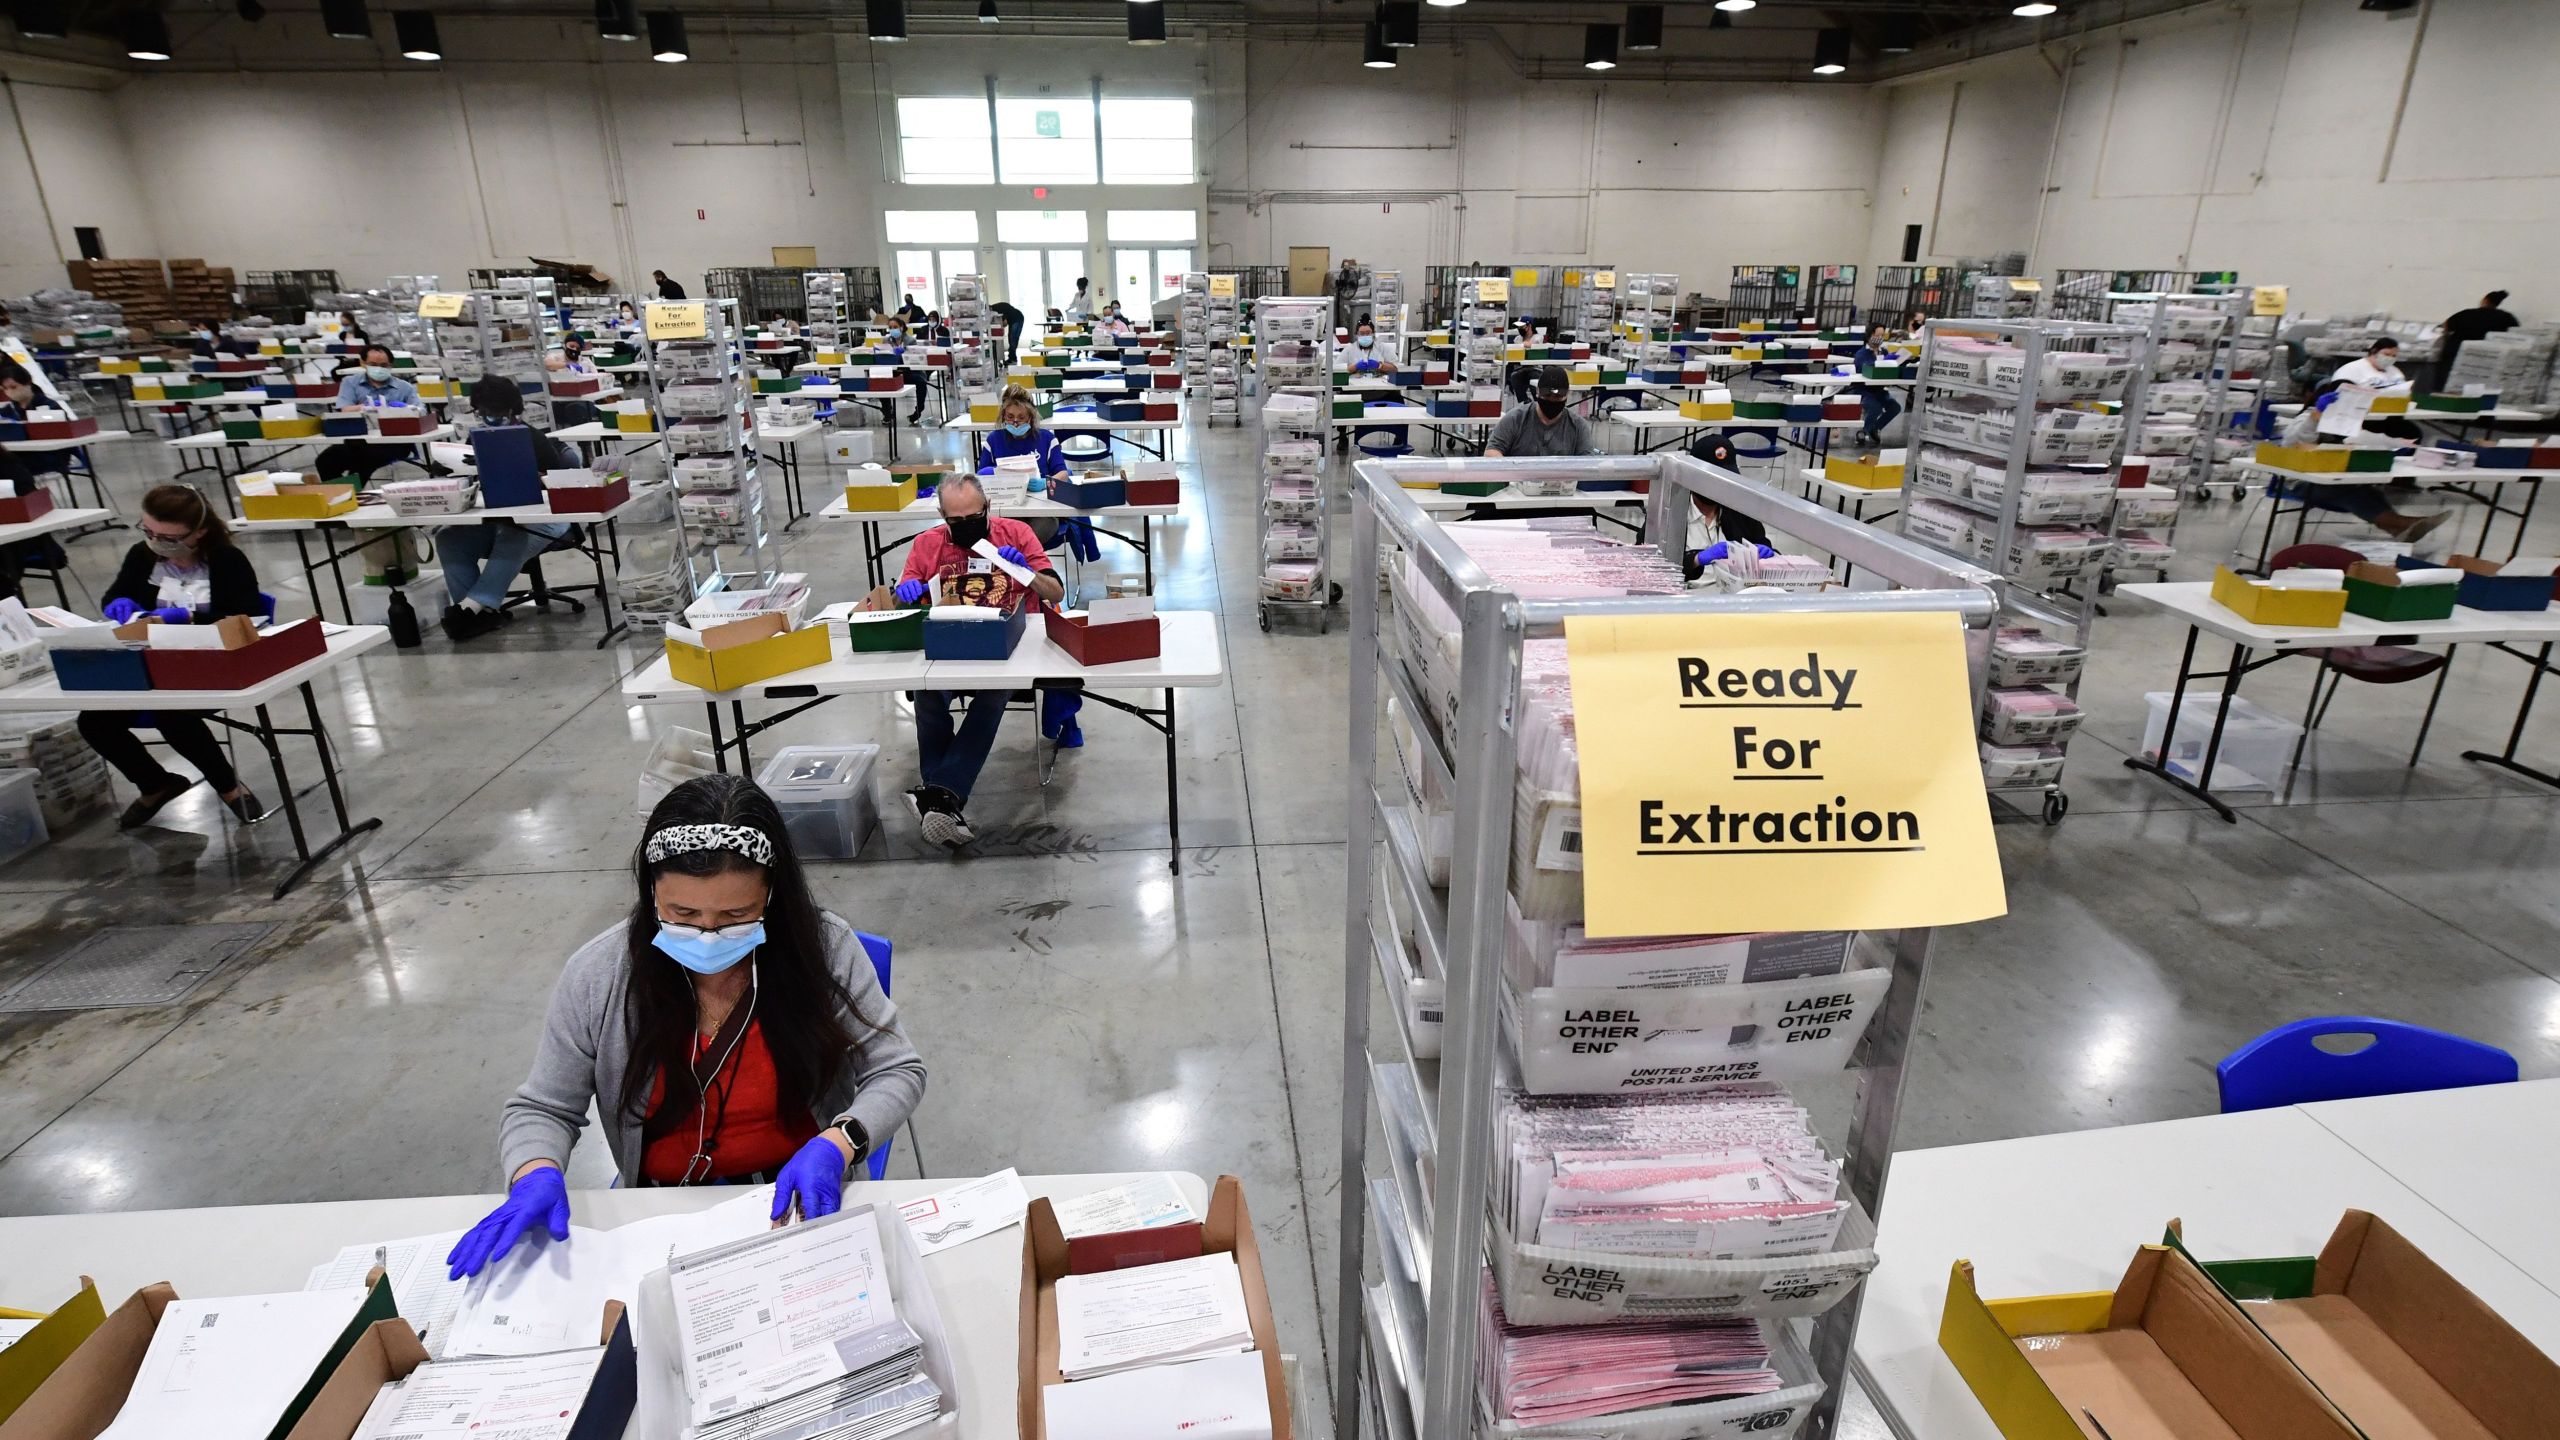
(975, 639)
(1448, 407)
(1124, 410)
(1660, 374)
(2502, 457)
(12, 431)
(2480, 592)
(339, 427)
(1090, 494)
(1804, 411)
(100, 670)
(509, 473)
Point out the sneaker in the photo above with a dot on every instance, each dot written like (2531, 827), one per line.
(461, 622)
(152, 802)
(2423, 526)
(247, 808)
(937, 813)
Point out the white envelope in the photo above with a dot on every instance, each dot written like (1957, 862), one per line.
(1220, 1398)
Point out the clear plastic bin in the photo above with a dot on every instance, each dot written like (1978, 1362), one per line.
(2256, 744)
(824, 792)
(21, 817)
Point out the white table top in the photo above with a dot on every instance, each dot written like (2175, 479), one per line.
(2401, 471)
(1652, 419)
(1404, 415)
(51, 521)
(927, 510)
(381, 516)
(1823, 481)
(2444, 1144)
(840, 395)
(1077, 421)
(217, 441)
(2510, 414)
(1435, 502)
(2193, 602)
(789, 434)
(47, 447)
(261, 1249)
(598, 430)
(2057, 1214)
(1829, 381)
(345, 643)
(1191, 658)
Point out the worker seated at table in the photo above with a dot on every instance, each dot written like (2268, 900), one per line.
(2380, 370)
(728, 1032)
(349, 332)
(19, 393)
(1718, 528)
(626, 318)
(481, 561)
(1113, 323)
(571, 359)
(185, 570)
(2365, 502)
(1018, 432)
(375, 387)
(1876, 404)
(1366, 358)
(942, 564)
(1545, 426)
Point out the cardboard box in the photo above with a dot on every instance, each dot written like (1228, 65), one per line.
(1706, 409)
(41, 1351)
(2375, 591)
(73, 427)
(879, 623)
(2484, 587)
(1165, 410)
(1154, 482)
(2303, 459)
(1047, 1255)
(1880, 472)
(389, 1351)
(976, 639)
(19, 509)
(120, 669)
(634, 424)
(1108, 643)
(609, 492)
(874, 496)
(2266, 605)
(301, 427)
(344, 427)
(2165, 1356)
(246, 658)
(83, 1394)
(299, 502)
(745, 652)
(1090, 493)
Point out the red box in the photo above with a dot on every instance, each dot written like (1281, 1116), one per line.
(1160, 358)
(72, 429)
(1484, 409)
(19, 509)
(939, 358)
(239, 364)
(2544, 457)
(264, 658)
(296, 390)
(1105, 644)
(882, 384)
(590, 499)
(1842, 410)
(1166, 379)
(1435, 374)
(576, 387)
(1155, 492)
(2135, 474)
(1581, 352)
(1164, 410)
(404, 424)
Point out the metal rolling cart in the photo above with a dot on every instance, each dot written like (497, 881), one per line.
(1903, 290)
(1293, 340)
(1764, 292)
(1646, 305)
(1979, 443)
(1430, 1077)
(1834, 296)
(507, 332)
(2191, 340)
(698, 390)
(1442, 293)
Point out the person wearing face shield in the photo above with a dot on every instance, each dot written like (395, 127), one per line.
(1544, 426)
(945, 568)
(728, 1032)
(185, 570)
(376, 386)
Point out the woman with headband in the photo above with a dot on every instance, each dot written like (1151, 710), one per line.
(729, 1032)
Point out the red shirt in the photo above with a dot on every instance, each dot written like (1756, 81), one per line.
(748, 1135)
(933, 555)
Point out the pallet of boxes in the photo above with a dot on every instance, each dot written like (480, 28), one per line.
(200, 292)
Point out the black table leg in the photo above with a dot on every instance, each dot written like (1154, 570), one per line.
(2429, 719)
(1172, 782)
(719, 747)
(2506, 759)
(266, 733)
(2158, 764)
(738, 720)
(610, 544)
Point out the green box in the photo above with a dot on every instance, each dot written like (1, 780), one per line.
(1759, 410)
(1050, 380)
(2369, 460)
(1349, 407)
(2450, 404)
(906, 632)
(1472, 487)
(2376, 601)
(242, 430)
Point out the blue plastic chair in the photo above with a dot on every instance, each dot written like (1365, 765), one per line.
(1364, 437)
(878, 948)
(2285, 1066)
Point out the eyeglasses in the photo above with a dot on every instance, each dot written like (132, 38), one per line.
(738, 931)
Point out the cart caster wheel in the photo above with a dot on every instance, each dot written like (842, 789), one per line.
(2056, 805)
(1337, 596)
(1266, 622)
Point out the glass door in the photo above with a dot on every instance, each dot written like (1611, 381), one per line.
(916, 277)
(1170, 264)
(954, 262)
(1133, 279)
(1065, 267)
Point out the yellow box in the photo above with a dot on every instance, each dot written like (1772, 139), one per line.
(744, 652)
(873, 495)
(2267, 605)
(1053, 341)
(985, 412)
(301, 427)
(1862, 473)
(1516, 353)
(148, 390)
(831, 357)
(1706, 409)
(641, 424)
(2390, 405)
(1752, 352)
(2303, 459)
(1753, 325)
(434, 389)
(270, 347)
(1583, 377)
(113, 365)
(42, 1350)
(299, 502)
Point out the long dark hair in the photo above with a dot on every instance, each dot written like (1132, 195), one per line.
(799, 1002)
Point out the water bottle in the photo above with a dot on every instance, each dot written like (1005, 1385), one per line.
(404, 621)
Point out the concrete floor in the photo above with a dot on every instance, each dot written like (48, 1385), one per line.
(1082, 1009)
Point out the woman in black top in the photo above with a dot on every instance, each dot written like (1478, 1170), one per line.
(184, 571)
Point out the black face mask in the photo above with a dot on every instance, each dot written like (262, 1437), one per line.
(1550, 408)
(967, 530)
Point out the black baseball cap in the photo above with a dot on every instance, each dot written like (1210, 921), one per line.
(1552, 383)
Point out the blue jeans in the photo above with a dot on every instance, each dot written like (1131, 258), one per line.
(1879, 408)
(2365, 502)
(952, 757)
(481, 561)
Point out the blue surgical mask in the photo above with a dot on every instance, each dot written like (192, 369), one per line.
(1017, 428)
(377, 373)
(708, 952)
(1368, 340)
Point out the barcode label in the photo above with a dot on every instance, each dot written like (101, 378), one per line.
(1560, 840)
(723, 1350)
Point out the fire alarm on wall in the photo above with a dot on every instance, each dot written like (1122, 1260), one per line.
(1039, 192)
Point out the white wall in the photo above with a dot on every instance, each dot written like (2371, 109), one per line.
(2260, 136)
(1962, 157)
(78, 145)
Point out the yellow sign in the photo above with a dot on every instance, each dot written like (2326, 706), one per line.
(1524, 277)
(675, 320)
(1493, 290)
(1604, 279)
(2024, 286)
(2268, 299)
(441, 306)
(1827, 777)
(1223, 286)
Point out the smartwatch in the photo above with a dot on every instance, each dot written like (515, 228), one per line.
(861, 1139)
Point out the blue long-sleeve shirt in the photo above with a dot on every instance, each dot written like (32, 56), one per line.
(1002, 446)
(357, 393)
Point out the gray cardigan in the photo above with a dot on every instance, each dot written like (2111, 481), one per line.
(585, 1052)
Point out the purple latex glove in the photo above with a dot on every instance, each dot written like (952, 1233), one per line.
(1011, 555)
(814, 1178)
(174, 614)
(909, 591)
(1768, 552)
(1713, 553)
(538, 1199)
(119, 610)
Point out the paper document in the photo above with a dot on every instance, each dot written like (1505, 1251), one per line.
(1150, 1314)
(13, 1331)
(988, 548)
(760, 1319)
(966, 1212)
(533, 1397)
(1142, 1204)
(1221, 1398)
(418, 1275)
(226, 1369)
(549, 1294)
